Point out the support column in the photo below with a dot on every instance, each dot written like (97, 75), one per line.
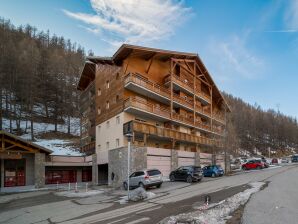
(39, 170)
(197, 156)
(94, 170)
(174, 159)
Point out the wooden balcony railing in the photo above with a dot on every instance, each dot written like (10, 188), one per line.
(183, 118)
(147, 106)
(205, 111)
(219, 117)
(154, 87)
(203, 126)
(182, 100)
(203, 96)
(150, 129)
(178, 80)
(88, 149)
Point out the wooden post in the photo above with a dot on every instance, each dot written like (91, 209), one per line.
(194, 93)
(171, 89)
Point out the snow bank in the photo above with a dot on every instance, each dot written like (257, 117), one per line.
(59, 147)
(137, 194)
(83, 194)
(218, 213)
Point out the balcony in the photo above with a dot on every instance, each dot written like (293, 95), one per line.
(219, 118)
(167, 133)
(88, 149)
(142, 107)
(179, 83)
(141, 85)
(206, 112)
(203, 97)
(185, 102)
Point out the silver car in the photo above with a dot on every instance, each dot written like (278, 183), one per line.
(145, 179)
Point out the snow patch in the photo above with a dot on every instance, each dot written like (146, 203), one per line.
(82, 194)
(59, 147)
(219, 212)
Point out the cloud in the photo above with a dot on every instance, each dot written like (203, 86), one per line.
(291, 17)
(133, 21)
(232, 59)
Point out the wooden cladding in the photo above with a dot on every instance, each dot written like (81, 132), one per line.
(167, 133)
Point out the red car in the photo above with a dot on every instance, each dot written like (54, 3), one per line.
(253, 164)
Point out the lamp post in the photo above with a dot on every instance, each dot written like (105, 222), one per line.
(129, 137)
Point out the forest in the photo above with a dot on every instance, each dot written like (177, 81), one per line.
(39, 73)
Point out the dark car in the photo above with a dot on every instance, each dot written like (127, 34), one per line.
(295, 159)
(187, 173)
(253, 164)
(213, 171)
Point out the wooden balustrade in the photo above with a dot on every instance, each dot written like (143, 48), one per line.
(139, 80)
(205, 111)
(150, 129)
(182, 100)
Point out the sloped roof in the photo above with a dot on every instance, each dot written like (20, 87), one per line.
(6, 135)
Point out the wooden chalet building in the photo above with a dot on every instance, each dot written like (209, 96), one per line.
(167, 99)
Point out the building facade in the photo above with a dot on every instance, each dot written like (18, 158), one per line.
(166, 99)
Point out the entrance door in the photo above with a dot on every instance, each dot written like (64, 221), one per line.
(14, 172)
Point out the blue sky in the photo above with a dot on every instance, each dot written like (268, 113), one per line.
(249, 47)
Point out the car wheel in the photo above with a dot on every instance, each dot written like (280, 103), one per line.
(189, 179)
(172, 177)
(142, 185)
(125, 186)
(213, 175)
(158, 186)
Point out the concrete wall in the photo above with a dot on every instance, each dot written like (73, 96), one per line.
(109, 131)
(118, 163)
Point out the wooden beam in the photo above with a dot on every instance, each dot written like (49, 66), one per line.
(149, 64)
(186, 69)
(21, 146)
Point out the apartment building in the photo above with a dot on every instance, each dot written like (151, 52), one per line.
(166, 99)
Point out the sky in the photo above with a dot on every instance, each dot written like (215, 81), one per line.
(250, 47)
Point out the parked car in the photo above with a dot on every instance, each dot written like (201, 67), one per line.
(187, 173)
(145, 178)
(253, 164)
(285, 160)
(266, 164)
(295, 159)
(274, 161)
(213, 171)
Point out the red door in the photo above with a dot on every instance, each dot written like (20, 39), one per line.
(14, 172)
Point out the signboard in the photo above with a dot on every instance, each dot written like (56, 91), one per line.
(5, 155)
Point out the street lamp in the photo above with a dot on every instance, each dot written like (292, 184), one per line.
(129, 137)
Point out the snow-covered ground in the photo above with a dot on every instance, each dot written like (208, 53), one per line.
(58, 146)
(216, 213)
(80, 194)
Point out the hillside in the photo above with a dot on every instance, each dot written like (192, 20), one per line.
(256, 130)
(38, 75)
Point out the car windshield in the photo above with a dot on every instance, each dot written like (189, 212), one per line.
(197, 168)
(153, 172)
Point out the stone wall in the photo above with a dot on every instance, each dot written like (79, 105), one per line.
(39, 170)
(118, 164)
(174, 159)
(94, 170)
(30, 171)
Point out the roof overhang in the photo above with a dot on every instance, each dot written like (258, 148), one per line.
(13, 144)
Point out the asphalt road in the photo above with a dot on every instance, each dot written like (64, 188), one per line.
(172, 199)
(277, 203)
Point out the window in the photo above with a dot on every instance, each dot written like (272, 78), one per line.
(99, 92)
(98, 111)
(108, 124)
(117, 142)
(117, 98)
(107, 105)
(117, 76)
(117, 120)
(108, 145)
(108, 84)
